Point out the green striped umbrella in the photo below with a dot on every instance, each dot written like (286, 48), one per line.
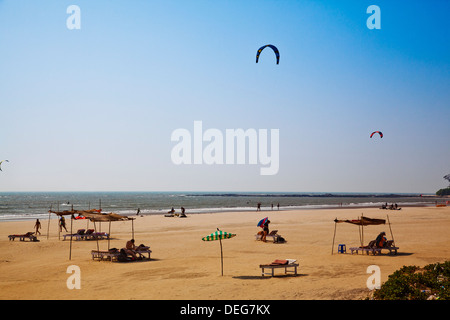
(219, 235)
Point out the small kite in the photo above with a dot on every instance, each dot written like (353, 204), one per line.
(277, 53)
(379, 132)
(1, 164)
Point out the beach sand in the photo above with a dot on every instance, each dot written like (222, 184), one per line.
(187, 268)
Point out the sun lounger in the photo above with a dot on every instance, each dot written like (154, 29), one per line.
(277, 264)
(105, 255)
(113, 254)
(100, 235)
(78, 236)
(276, 238)
(22, 237)
(141, 250)
(372, 248)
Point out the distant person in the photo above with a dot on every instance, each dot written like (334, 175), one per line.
(278, 206)
(37, 226)
(182, 212)
(62, 223)
(272, 206)
(258, 207)
(138, 211)
(265, 230)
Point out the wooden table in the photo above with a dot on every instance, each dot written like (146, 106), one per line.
(277, 266)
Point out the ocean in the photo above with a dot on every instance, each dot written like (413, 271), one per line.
(35, 205)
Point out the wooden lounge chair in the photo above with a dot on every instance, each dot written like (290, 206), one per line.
(276, 238)
(105, 255)
(29, 235)
(113, 254)
(372, 248)
(289, 263)
(78, 236)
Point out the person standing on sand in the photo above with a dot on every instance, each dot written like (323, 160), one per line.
(265, 230)
(37, 226)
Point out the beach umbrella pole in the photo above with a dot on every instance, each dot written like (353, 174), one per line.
(71, 236)
(95, 230)
(48, 225)
(392, 235)
(221, 256)
(109, 233)
(334, 236)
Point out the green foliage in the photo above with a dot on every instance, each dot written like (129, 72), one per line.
(443, 192)
(414, 283)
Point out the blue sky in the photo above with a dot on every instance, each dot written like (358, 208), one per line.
(94, 108)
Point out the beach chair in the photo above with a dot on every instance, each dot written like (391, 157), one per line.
(29, 235)
(279, 264)
(105, 255)
(390, 246)
(113, 254)
(100, 235)
(141, 250)
(276, 238)
(370, 248)
(88, 234)
(78, 236)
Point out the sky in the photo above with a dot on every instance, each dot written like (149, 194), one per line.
(94, 108)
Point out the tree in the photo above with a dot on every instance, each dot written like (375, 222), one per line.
(447, 177)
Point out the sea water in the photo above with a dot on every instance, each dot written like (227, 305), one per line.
(35, 205)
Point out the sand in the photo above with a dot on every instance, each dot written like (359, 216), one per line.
(187, 268)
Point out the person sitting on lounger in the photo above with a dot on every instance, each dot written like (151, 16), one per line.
(380, 241)
(130, 248)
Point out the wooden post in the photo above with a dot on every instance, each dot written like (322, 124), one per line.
(362, 230)
(95, 230)
(71, 236)
(221, 256)
(59, 225)
(332, 247)
(393, 241)
(109, 233)
(48, 225)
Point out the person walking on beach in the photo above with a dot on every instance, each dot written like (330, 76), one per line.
(37, 226)
(62, 224)
(258, 208)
